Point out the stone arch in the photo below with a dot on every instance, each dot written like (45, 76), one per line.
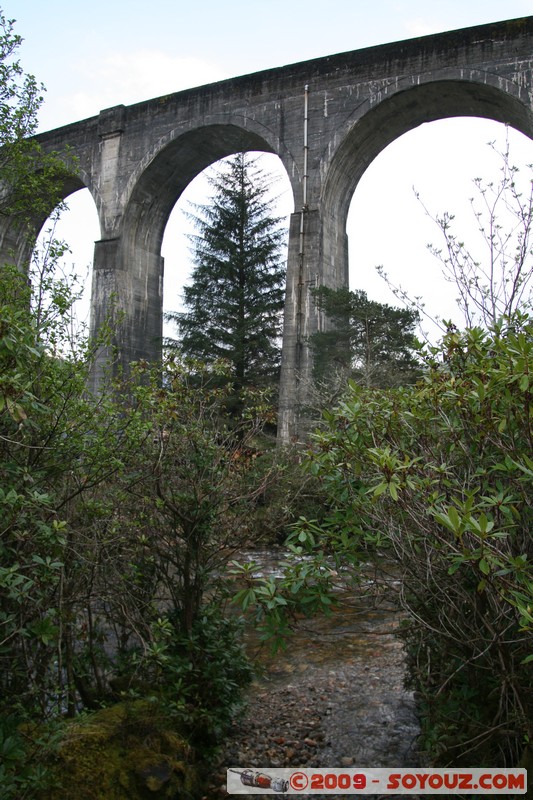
(136, 280)
(391, 109)
(396, 112)
(18, 238)
(170, 171)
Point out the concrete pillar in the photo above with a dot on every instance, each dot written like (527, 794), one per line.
(126, 308)
(17, 240)
(127, 288)
(104, 303)
(291, 352)
(320, 258)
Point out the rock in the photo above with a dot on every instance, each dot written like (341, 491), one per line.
(128, 750)
(155, 776)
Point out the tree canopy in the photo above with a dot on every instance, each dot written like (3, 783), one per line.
(30, 180)
(370, 342)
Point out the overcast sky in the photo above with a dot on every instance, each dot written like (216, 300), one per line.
(93, 55)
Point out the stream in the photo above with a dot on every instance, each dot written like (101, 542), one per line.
(334, 698)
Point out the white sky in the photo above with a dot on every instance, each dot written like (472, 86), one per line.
(93, 55)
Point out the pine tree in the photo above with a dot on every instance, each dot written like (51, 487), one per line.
(372, 343)
(235, 300)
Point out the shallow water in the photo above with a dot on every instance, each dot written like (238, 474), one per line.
(334, 697)
(346, 669)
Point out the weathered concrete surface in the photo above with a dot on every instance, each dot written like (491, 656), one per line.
(137, 160)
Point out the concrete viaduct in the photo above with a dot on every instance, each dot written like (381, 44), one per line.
(326, 119)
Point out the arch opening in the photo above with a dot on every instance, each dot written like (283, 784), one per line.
(420, 176)
(175, 245)
(167, 176)
(381, 137)
(406, 110)
(78, 227)
(153, 196)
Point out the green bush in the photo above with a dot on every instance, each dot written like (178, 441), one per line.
(437, 477)
(199, 674)
(24, 749)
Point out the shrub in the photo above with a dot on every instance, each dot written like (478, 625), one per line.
(437, 477)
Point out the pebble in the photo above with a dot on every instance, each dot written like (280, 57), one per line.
(356, 706)
(377, 724)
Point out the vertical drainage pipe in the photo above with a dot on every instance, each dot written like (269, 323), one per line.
(299, 337)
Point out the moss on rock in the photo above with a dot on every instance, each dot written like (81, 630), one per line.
(126, 752)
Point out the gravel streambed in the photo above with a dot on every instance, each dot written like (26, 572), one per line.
(334, 698)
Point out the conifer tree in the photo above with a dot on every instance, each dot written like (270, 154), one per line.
(235, 299)
(371, 342)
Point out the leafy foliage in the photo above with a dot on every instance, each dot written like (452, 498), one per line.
(118, 515)
(200, 673)
(304, 588)
(38, 439)
(49, 451)
(191, 482)
(437, 477)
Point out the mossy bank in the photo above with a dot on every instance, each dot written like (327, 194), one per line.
(128, 751)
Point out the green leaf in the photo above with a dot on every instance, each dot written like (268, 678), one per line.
(502, 425)
(484, 566)
(453, 516)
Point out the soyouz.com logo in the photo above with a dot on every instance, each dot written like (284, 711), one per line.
(376, 781)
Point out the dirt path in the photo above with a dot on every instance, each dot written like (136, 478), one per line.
(335, 698)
